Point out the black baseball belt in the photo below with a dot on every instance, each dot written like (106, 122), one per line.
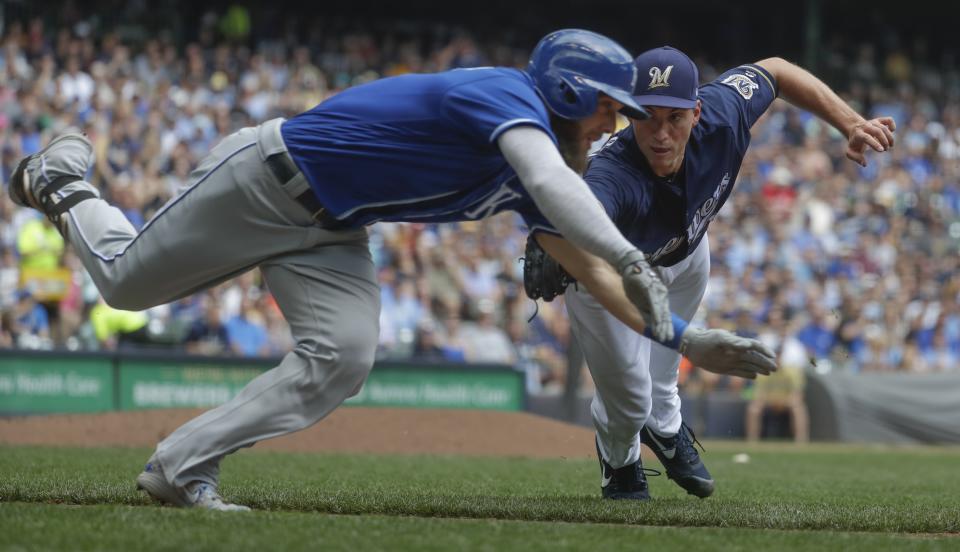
(283, 167)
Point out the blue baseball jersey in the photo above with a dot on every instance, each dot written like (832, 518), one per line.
(665, 219)
(417, 148)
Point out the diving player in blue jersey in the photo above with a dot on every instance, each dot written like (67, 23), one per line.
(293, 198)
(662, 180)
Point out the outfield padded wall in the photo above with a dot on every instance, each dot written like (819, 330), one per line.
(52, 382)
(888, 408)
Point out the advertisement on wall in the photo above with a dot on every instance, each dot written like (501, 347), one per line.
(34, 384)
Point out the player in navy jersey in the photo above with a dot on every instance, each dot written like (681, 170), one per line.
(293, 198)
(662, 180)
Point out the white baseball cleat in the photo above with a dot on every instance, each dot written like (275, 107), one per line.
(196, 494)
(206, 496)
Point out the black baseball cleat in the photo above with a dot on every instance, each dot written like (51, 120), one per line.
(626, 483)
(679, 457)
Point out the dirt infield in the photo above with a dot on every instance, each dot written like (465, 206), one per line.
(352, 429)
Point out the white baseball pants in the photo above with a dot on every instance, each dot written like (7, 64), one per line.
(635, 378)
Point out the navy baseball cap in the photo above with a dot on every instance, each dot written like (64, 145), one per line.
(666, 77)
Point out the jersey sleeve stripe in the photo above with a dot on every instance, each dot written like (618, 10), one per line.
(512, 123)
(766, 76)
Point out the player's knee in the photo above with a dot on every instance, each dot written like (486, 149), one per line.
(356, 389)
(354, 366)
(358, 350)
(634, 412)
(345, 358)
(641, 413)
(126, 297)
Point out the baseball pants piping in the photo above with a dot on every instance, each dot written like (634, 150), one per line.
(235, 215)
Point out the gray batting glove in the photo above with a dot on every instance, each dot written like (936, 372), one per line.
(722, 352)
(647, 293)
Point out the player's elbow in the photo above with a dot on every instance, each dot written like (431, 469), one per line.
(127, 297)
(537, 187)
(775, 66)
(773, 60)
(125, 302)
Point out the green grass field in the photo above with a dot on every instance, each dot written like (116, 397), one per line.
(823, 497)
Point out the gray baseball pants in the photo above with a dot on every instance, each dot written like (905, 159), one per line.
(635, 378)
(233, 216)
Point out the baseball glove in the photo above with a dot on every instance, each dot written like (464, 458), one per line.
(543, 277)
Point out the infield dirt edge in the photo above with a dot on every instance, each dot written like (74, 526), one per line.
(348, 430)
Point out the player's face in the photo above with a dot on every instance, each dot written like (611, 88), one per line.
(663, 137)
(576, 136)
(603, 121)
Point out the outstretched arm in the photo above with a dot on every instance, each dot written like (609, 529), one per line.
(597, 276)
(802, 89)
(715, 350)
(561, 195)
(566, 201)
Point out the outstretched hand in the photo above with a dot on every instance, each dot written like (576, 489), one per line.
(723, 352)
(876, 134)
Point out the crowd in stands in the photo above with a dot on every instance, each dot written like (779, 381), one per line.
(850, 268)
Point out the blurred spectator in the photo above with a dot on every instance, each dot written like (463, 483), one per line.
(30, 326)
(819, 334)
(427, 347)
(279, 338)
(116, 329)
(247, 332)
(781, 391)
(871, 256)
(208, 335)
(451, 338)
(9, 278)
(40, 244)
(484, 341)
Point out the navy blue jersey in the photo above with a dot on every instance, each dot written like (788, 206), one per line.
(417, 147)
(664, 219)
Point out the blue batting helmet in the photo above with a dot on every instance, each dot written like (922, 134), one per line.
(571, 66)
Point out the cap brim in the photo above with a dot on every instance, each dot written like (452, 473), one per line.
(656, 100)
(630, 107)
